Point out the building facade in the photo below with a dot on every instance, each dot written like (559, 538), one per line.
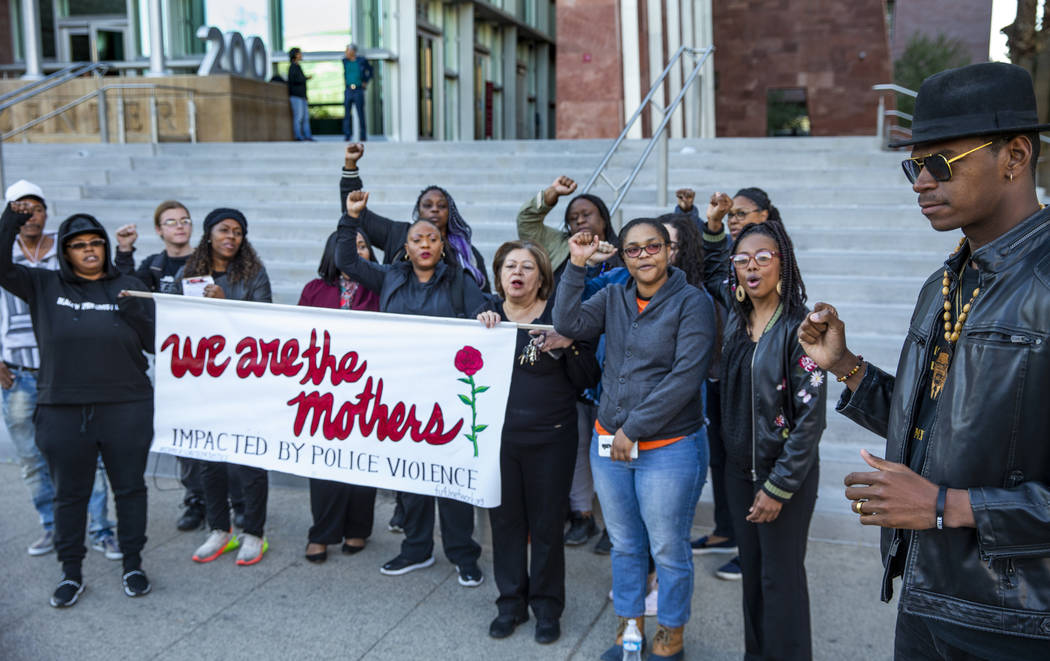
(473, 69)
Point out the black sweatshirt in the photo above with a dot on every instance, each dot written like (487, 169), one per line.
(90, 341)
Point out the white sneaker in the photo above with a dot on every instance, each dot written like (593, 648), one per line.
(218, 542)
(252, 549)
(44, 545)
(650, 603)
(108, 544)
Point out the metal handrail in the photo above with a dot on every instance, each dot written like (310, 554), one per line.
(51, 81)
(882, 130)
(700, 56)
(100, 94)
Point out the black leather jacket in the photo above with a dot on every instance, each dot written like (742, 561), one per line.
(990, 437)
(788, 390)
(788, 408)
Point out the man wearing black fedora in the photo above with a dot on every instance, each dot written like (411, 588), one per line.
(963, 496)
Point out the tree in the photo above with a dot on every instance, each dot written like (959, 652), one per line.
(1029, 47)
(922, 58)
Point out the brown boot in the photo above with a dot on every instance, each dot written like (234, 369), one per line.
(615, 653)
(667, 643)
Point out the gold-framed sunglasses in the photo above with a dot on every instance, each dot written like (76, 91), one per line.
(938, 165)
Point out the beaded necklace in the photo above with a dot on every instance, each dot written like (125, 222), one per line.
(952, 332)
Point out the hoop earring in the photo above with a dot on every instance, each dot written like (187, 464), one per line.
(780, 288)
(739, 293)
(405, 256)
(1011, 176)
(442, 253)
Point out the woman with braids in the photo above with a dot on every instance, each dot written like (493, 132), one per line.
(421, 284)
(747, 207)
(433, 204)
(225, 254)
(773, 408)
(659, 334)
(341, 512)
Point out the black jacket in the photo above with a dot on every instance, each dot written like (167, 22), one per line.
(157, 271)
(91, 341)
(989, 437)
(390, 235)
(788, 391)
(789, 395)
(296, 81)
(449, 293)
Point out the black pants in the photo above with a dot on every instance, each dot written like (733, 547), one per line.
(341, 511)
(920, 639)
(535, 491)
(255, 485)
(191, 474)
(772, 557)
(717, 459)
(71, 438)
(457, 529)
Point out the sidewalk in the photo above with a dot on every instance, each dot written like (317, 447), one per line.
(285, 607)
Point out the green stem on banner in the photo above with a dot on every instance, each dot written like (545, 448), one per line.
(473, 415)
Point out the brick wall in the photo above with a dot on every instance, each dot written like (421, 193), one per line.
(966, 20)
(834, 50)
(589, 85)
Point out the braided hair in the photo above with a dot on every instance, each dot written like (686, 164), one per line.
(793, 296)
(690, 247)
(458, 232)
(761, 199)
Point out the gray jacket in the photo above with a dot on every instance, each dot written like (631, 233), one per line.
(257, 289)
(655, 361)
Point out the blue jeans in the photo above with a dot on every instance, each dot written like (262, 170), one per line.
(354, 99)
(648, 505)
(300, 118)
(18, 407)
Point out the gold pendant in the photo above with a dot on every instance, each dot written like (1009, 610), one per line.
(939, 367)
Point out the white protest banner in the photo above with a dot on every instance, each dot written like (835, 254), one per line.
(393, 401)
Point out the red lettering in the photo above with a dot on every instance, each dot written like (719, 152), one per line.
(250, 362)
(320, 360)
(315, 409)
(208, 349)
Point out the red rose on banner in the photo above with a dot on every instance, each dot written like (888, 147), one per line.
(468, 361)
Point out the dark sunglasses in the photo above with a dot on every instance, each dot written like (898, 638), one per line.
(650, 248)
(938, 165)
(84, 245)
(762, 258)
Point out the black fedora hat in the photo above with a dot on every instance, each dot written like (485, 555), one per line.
(979, 99)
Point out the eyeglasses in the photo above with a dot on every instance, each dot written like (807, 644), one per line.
(741, 213)
(938, 165)
(650, 248)
(84, 245)
(176, 222)
(762, 258)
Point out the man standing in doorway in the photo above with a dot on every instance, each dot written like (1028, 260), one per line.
(357, 72)
(962, 494)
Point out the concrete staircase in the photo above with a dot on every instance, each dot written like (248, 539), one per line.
(861, 241)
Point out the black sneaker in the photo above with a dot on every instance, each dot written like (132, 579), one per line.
(505, 624)
(604, 544)
(548, 630)
(135, 583)
(402, 565)
(192, 518)
(580, 530)
(470, 576)
(703, 546)
(66, 593)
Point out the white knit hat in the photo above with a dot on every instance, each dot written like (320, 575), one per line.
(23, 188)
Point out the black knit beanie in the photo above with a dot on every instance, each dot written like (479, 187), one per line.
(219, 215)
